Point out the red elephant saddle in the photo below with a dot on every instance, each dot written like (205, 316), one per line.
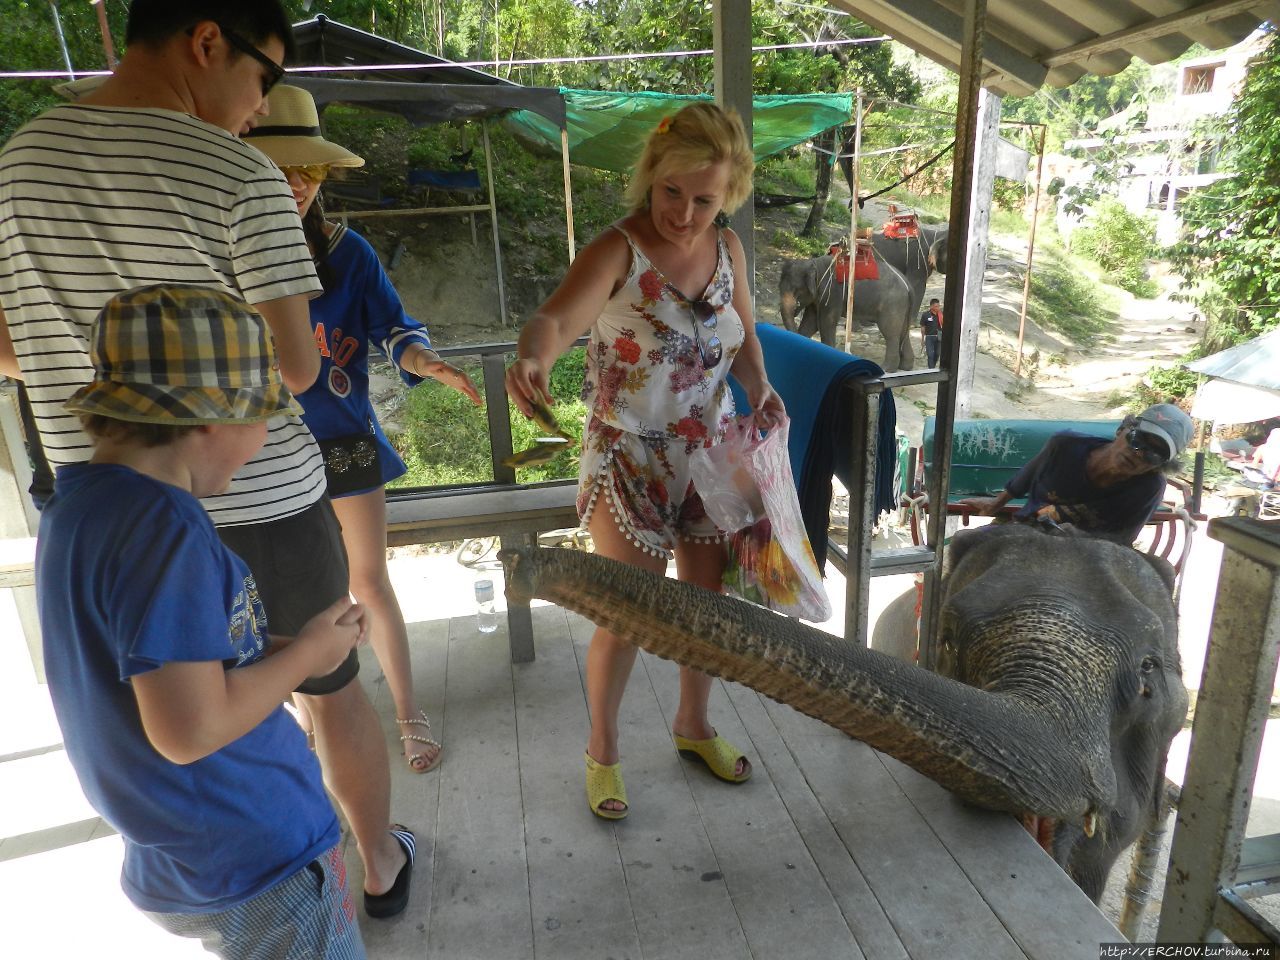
(864, 262)
(901, 226)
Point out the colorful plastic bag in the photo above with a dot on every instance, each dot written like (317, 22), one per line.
(747, 488)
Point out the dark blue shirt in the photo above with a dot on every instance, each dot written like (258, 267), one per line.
(1057, 475)
(130, 576)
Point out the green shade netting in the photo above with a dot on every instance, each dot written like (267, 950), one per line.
(608, 130)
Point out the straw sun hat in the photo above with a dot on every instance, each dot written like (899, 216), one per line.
(290, 133)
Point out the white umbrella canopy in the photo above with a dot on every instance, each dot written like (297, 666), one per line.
(1222, 401)
(1254, 364)
(1244, 385)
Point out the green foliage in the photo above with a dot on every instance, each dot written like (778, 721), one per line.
(1232, 243)
(1078, 110)
(1121, 243)
(1065, 298)
(1166, 384)
(446, 437)
(799, 244)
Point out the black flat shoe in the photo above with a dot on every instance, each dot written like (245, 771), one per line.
(389, 904)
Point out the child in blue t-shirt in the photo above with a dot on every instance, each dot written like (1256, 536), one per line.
(166, 685)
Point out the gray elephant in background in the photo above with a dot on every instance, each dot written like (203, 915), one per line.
(891, 303)
(809, 288)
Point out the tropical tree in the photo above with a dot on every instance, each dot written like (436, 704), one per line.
(1231, 242)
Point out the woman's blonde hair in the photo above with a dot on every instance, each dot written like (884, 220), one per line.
(700, 135)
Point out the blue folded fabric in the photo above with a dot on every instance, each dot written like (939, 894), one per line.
(810, 377)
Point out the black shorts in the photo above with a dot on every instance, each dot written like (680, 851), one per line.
(300, 566)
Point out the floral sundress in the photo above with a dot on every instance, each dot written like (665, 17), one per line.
(653, 400)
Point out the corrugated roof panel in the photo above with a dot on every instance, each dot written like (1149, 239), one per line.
(1030, 43)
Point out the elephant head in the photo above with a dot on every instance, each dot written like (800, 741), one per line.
(1062, 687)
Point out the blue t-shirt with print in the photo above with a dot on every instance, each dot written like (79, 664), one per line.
(1057, 475)
(130, 576)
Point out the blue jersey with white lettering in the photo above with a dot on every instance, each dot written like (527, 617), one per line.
(361, 310)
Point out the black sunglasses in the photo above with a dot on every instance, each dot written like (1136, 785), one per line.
(711, 350)
(1138, 443)
(274, 72)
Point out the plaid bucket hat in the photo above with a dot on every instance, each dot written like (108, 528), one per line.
(177, 354)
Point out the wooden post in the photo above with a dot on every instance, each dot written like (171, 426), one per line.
(493, 222)
(731, 28)
(1031, 249)
(963, 177)
(853, 220)
(107, 47)
(984, 178)
(568, 192)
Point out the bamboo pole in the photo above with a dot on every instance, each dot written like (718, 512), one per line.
(568, 192)
(1031, 249)
(853, 222)
(107, 47)
(493, 220)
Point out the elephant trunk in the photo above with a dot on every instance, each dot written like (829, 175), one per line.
(1001, 751)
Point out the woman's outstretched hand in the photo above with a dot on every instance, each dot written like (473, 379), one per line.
(527, 385)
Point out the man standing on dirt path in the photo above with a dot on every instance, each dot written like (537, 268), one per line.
(145, 181)
(931, 331)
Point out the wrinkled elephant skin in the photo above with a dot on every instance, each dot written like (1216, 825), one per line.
(1062, 686)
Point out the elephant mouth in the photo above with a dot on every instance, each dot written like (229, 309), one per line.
(1045, 829)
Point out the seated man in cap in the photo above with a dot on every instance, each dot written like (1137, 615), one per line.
(1107, 487)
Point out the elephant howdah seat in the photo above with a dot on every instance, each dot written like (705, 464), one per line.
(986, 454)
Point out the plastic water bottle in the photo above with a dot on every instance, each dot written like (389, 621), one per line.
(486, 614)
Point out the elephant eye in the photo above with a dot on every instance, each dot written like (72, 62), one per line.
(1148, 664)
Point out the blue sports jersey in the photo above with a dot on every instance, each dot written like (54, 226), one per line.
(1057, 475)
(130, 576)
(361, 310)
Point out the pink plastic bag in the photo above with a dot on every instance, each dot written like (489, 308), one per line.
(746, 486)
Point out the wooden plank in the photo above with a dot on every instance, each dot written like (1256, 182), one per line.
(927, 898)
(862, 913)
(415, 798)
(785, 906)
(1040, 906)
(480, 849)
(577, 884)
(678, 897)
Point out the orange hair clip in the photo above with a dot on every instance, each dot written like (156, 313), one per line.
(664, 125)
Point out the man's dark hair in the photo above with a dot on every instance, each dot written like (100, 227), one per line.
(146, 434)
(934, 300)
(154, 22)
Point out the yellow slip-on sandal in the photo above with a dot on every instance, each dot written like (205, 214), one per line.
(604, 782)
(720, 756)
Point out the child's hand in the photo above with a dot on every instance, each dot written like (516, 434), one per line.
(359, 616)
(331, 634)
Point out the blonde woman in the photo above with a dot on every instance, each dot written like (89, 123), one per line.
(359, 309)
(664, 295)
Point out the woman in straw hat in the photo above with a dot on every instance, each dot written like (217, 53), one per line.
(359, 309)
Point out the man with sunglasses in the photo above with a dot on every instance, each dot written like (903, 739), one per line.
(144, 180)
(1107, 487)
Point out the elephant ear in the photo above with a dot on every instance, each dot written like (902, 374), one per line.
(1162, 567)
(959, 545)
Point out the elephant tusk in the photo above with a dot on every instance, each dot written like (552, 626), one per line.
(1090, 824)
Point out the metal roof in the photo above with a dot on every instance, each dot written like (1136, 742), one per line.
(1030, 43)
(325, 42)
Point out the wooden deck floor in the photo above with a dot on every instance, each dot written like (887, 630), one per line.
(830, 850)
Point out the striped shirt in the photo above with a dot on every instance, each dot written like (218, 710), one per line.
(95, 201)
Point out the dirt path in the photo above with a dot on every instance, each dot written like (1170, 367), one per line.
(1059, 380)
